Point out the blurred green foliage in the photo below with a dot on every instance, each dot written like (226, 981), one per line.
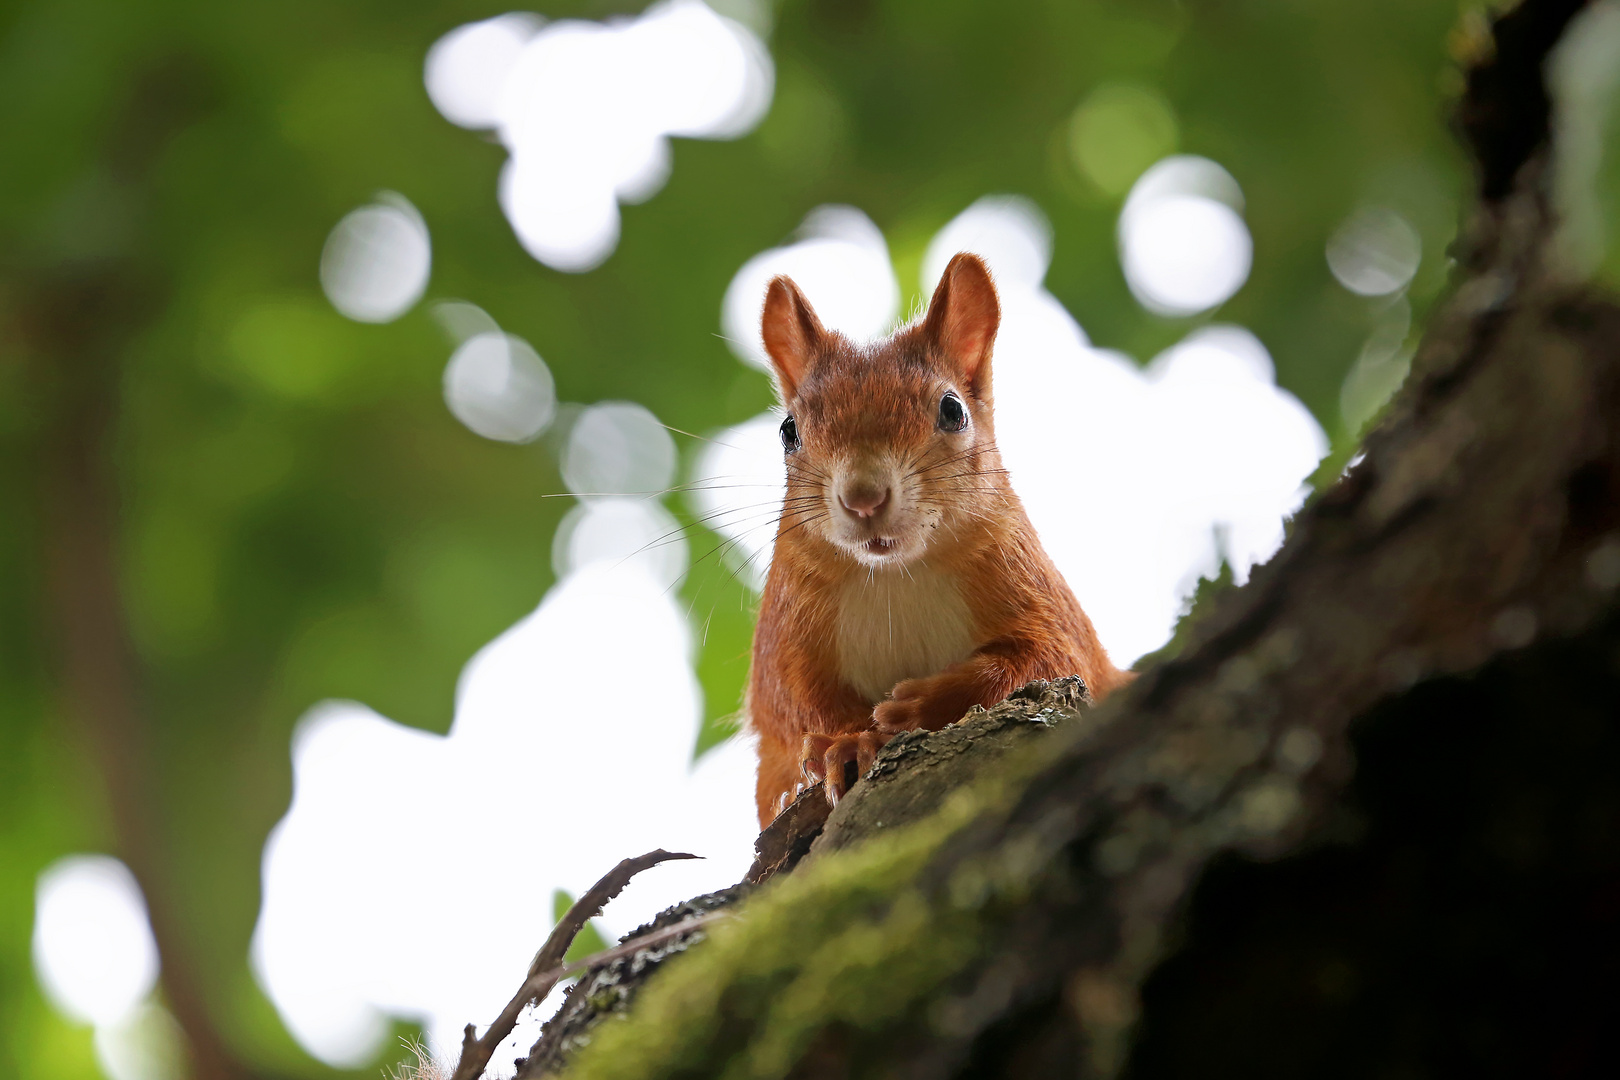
(589, 939)
(298, 516)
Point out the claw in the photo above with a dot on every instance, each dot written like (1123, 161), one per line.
(839, 761)
(810, 757)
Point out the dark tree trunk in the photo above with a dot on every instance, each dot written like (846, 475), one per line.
(1367, 823)
(78, 321)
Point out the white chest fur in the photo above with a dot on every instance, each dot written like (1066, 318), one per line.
(896, 625)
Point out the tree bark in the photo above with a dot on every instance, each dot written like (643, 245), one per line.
(1365, 823)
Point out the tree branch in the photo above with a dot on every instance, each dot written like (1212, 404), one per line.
(547, 967)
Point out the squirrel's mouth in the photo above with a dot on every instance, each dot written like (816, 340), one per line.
(881, 545)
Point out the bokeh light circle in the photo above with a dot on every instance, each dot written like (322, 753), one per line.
(618, 448)
(497, 385)
(1375, 252)
(1183, 254)
(1118, 131)
(840, 261)
(93, 947)
(466, 69)
(377, 259)
(1010, 233)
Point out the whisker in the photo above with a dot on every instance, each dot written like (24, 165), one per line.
(705, 485)
(726, 517)
(695, 485)
(734, 543)
(700, 438)
(722, 548)
(972, 452)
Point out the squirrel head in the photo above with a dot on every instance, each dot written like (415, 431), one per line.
(890, 447)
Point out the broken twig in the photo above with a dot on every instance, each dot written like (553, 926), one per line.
(547, 968)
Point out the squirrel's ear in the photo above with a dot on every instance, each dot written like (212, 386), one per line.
(963, 318)
(792, 334)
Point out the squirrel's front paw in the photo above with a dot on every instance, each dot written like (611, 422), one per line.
(929, 703)
(839, 760)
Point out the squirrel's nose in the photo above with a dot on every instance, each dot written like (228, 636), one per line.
(864, 502)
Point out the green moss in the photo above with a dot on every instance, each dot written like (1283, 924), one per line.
(847, 940)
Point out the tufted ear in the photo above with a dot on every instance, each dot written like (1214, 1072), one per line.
(792, 334)
(963, 318)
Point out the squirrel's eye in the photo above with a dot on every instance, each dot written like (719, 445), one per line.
(790, 435)
(952, 413)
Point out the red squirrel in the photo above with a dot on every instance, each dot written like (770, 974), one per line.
(907, 583)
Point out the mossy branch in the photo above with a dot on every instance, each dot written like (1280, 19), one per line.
(1010, 931)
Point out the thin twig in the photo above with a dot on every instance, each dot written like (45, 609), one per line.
(547, 968)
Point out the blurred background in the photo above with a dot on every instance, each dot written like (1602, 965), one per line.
(387, 465)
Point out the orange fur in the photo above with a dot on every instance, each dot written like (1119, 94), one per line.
(949, 538)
